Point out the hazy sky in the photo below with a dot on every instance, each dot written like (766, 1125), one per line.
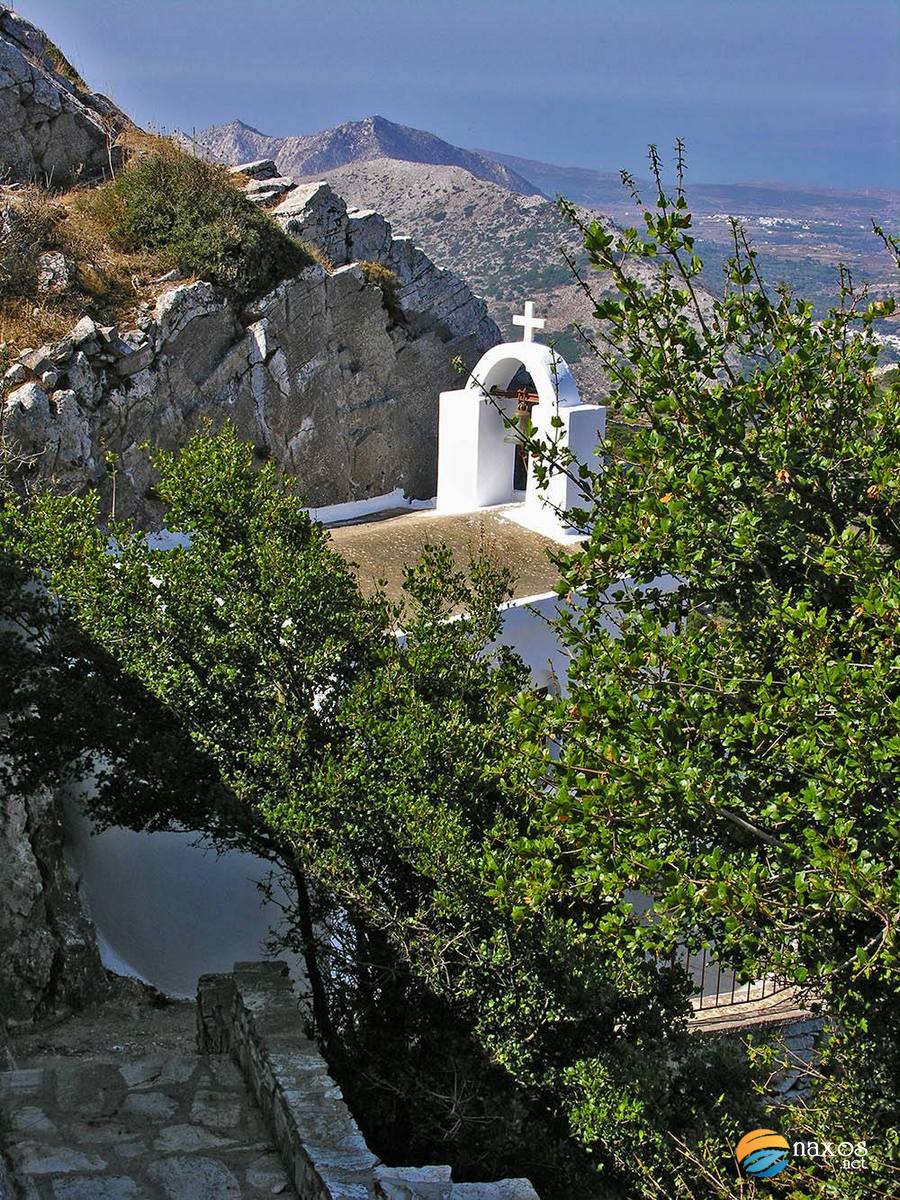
(805, 91)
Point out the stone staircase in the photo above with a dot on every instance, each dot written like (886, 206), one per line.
(172, 1127)
(255, 1113)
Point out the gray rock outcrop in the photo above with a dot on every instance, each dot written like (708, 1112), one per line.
(264, 184)
(52, 128)
(317, 374)
(48, 955)
(316, 214)
(426, 293)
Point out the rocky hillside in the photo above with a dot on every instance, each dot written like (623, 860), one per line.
(48, 954)
(501, 246)
(322, 374)
(355, 141)
(335, 374)
(503, 239)
(506, 246)
(53, 128)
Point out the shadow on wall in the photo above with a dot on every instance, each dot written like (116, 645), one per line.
(167, 908)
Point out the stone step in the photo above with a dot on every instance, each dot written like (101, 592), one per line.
(253, 1014)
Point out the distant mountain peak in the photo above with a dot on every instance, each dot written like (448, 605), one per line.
(374, 136)
(237, 123)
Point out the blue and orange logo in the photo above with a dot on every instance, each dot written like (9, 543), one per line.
(762, 1153)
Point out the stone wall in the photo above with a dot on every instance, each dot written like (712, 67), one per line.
(798, 1044)
(51, 128)
(253, 1015)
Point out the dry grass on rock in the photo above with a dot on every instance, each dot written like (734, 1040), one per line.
(99, 279)
(165, 211)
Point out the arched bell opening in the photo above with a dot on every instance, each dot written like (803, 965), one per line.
(520, 397)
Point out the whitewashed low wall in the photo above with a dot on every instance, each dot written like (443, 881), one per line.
(529, 630)
(166, 907)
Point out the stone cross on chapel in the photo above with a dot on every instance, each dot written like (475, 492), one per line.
(529, 322)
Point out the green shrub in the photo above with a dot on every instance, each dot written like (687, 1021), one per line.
(193, 212)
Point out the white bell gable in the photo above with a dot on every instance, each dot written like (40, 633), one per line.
(477, 448)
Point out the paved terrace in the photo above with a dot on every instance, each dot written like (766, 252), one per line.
(176, 1126)
(118, 1104)
(381, 547)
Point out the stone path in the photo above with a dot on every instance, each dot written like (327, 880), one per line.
(158, 1127)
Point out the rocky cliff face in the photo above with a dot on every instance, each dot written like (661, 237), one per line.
(505, 246)
(52, 127)
(48, 956)
(428, 295)
(319, 375)
(323, 375)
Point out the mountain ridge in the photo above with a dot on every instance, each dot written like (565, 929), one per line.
(373, 137)
(506, 247)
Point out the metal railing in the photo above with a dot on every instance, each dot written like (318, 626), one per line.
(718, 987)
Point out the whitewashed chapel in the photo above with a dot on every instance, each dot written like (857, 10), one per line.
(481, 461)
